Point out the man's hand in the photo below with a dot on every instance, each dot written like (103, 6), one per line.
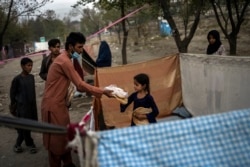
(108, 93)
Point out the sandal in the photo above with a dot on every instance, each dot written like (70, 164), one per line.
(32, 149)
(17, 149)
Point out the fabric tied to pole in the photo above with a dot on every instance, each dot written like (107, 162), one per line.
(84, 141)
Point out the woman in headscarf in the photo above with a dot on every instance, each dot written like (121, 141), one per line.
(104, 56)
(215, 46)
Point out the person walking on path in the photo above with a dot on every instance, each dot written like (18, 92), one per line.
(23, 99)
(54, 108)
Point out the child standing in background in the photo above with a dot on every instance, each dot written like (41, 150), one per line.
(23, 95)
(144, 109)
(54, 47)
(215, 46)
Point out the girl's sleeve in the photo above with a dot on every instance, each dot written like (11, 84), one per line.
(130, 100)
(154, 107)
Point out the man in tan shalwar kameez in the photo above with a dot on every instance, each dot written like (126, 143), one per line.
(54, 109)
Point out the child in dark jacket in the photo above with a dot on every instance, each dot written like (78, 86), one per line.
(145, 109)
(23, 95)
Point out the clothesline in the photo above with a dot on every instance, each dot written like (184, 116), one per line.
(96, 33)
(116, 22)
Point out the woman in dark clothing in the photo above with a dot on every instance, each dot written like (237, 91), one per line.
(142, 99)
(215, 46)
(104, 56)
(23, 95)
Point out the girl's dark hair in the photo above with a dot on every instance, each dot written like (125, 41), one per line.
(143, 79)
(25, 61)
(215, 34)
(73, 38)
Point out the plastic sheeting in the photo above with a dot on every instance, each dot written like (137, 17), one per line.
(214, 84)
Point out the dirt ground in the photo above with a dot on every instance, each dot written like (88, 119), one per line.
(142, 52)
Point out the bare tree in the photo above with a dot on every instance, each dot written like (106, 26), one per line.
(92, 20)
(230, 16)
(186, 13)
(12, 9)
(122, 6)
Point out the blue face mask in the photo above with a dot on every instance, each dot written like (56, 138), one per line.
(75, 55)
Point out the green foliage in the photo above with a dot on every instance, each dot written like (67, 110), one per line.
(12, 10)
(91, 21)
(187, 8)
(103, 13)
(31, 30)
(3, 17)
(23, 7)
(50, 15)
(124, 7)
(49, 28)
(14, 33)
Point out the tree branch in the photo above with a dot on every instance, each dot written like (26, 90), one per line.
(196, 21)
(241, 17)
(8, 18)
(218, 18)
(230, 15)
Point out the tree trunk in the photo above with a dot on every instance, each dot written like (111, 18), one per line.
(124, 47)
(119, 37)
(99, 37)
(182, 48)
(182, 45)
(139, 31)
(232, 44)
(1, 46)
(125, 35)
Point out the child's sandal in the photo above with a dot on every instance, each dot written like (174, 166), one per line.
(18, 149)
(33, 149)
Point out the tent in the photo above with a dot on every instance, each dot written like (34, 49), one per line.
(165, 85)
(202, 84)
